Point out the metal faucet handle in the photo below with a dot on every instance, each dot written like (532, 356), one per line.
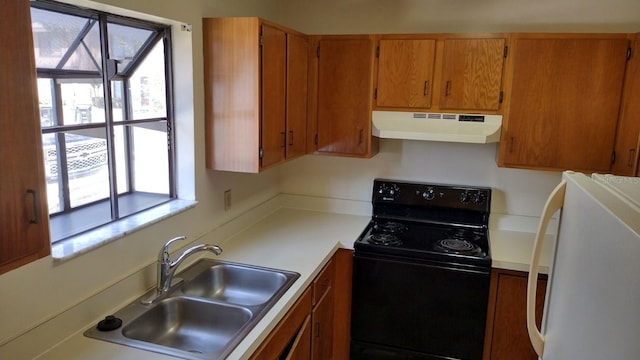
(164, 251)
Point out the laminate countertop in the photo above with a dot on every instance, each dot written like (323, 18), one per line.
(295, 240)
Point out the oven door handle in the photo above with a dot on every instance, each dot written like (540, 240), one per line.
(553, 204)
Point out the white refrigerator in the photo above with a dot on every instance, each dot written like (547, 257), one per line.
(592, 306)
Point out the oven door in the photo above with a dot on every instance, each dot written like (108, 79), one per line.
(408, 309)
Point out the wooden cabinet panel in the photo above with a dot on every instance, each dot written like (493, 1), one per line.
(273, 48)
(322, 328)
(345, 96)
(472, 74)
(343, 271)
(564, 101)
(507, 337)
(24, 230)
(301, 347)
(627, 138)
(286, 331)
(405, 73)
(297, 55)
(255, 93)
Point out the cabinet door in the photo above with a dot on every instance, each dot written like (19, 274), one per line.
(273, 85)
(322, 329)
(627, 142)
(301, 347)
(345, 95)
(297, 54)
(24, 230)
(565, 96)
(472, 74)
(507, 337)
(405, 73)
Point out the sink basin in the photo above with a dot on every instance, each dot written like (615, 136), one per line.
(188, 324)
(236, 284)
(206, 315)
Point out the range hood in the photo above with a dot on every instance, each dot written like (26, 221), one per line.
(464, 128)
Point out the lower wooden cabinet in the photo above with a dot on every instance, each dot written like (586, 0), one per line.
(317, 326)
(506, 337)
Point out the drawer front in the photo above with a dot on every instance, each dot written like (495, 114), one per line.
(323, 282)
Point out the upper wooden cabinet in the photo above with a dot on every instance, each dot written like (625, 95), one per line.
(472, 74)
(466, 72)
(627, 138)
(255, 93)
(405, 73)
(564, 101)
(24, 221)
(342, 96)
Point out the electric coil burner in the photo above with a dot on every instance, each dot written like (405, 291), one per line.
(421, 273)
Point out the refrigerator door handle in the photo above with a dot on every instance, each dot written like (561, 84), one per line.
(553, 204)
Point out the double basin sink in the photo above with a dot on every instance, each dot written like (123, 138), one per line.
(210, 308)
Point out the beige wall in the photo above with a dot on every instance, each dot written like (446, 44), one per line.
(420, 16)
(38, 292)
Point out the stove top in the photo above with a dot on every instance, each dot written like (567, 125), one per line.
(446, 223)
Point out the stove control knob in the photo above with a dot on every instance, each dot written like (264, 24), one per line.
(429, 194)
(478, 198)
(389, 191)
(465, 197)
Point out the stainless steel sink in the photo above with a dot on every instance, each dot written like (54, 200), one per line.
(189, 324)
(205, 315)
(235, 284)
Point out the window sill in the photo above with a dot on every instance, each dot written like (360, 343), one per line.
(82, 243)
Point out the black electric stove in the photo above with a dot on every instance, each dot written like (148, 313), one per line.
(422, 266)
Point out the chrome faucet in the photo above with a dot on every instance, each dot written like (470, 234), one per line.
(167, 267)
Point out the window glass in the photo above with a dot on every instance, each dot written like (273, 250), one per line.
(65, 41)
(125, 42)
(82, 101)
(147, 86)
(101, 166)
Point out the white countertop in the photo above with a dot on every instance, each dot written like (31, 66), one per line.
(289, 239)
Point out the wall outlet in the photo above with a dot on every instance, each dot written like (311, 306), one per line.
(227, 199)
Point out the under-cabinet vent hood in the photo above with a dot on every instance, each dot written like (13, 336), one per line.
(464, 128)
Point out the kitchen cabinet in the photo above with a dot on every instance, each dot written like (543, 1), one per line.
(317, 326)
(322, 314)
(255, 93)
(291, 338)
(341, 86)
(506, 336)
(472, 74)
(564, 101)
(466, 71)
(24, 234)
(627, 138)
(405, 73)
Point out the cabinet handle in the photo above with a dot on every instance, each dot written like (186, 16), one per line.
(34, 198)
(317, 329)
(361, 136)
(425, 91)
(290, 137)
(447, 89)
(511, 145)
(632, 153)
(284, 139)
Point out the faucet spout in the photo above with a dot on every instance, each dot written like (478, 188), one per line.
(167, 267)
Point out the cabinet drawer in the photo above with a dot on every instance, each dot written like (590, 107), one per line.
(323, 282)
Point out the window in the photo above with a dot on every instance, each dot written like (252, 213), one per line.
(104, 86)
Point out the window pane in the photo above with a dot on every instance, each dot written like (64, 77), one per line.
(125, 42)
(87, 166)
(117, 106)
(82, 101)
(45, 96)
(52, 174)
(65, 41)
(148, 88)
